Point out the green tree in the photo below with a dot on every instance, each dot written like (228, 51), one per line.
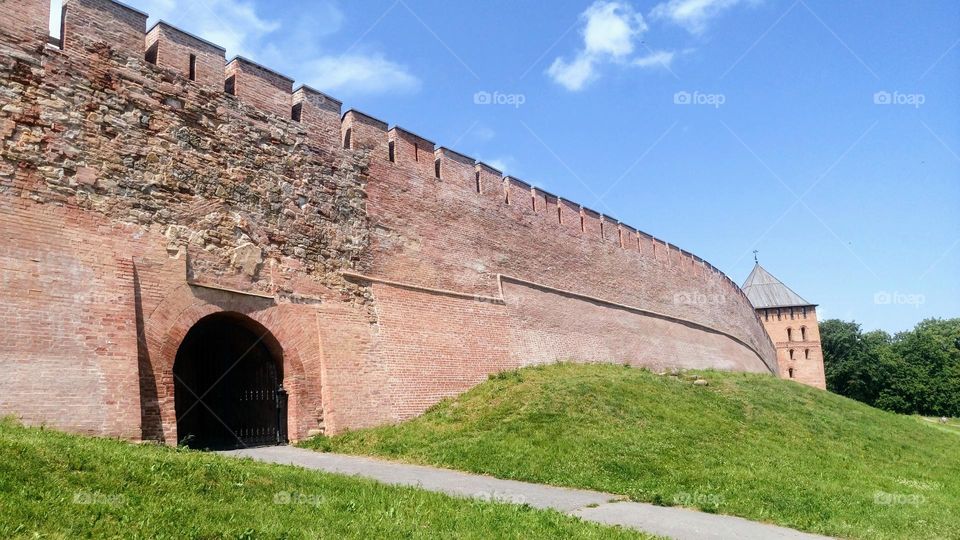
(916, 371)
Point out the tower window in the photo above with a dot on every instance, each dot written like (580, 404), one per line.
(806, 354)
(193, 67)
(346, 139)
(791, 354)
(803, 333)
(789, 334)
(790, 371)
(478, 172)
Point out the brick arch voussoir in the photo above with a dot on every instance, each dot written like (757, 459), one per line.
(170, 322)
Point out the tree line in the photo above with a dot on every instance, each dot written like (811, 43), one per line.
(911, 372)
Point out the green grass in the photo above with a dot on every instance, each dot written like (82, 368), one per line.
(952, 425)
(748, 445)
(54, 485)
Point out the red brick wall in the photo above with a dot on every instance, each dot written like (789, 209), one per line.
(137, 203)
(102, 23)
(434, 345)
(69, 344)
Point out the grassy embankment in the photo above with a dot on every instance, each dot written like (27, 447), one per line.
(54, 485)
(748, 445)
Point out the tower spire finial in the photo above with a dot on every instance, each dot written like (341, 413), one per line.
(755, 256)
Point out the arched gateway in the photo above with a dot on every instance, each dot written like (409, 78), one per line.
(228, 385)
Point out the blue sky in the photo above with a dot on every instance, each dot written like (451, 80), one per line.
(824, 134)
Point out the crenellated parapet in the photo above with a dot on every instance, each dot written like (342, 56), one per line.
(360, 131)
(192, 57)
(319, 114)
(259, 86)
(456, 168)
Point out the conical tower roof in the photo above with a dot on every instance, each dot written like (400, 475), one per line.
(766, 291)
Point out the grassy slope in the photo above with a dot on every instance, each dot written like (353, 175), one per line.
(748, 445)
(54, 485)
(952, 425)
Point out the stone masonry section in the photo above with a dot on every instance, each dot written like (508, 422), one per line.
(145, 184)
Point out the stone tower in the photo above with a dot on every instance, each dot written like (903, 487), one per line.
(791, 322)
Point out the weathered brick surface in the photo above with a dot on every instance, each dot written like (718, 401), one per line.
(135, 202)
(25, 21)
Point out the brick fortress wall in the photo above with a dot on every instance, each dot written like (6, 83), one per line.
(141, 190)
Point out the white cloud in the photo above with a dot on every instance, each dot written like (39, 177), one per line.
(693, 14)
(655, 59)
(359, 73)
(611, 30)
(572, 75)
